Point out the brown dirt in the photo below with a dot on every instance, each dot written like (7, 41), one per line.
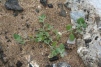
(10, 25)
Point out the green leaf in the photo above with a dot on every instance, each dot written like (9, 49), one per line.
(81, 21)
(61, 46)
(42, 18)
(18, 38)
(79, 30)
(46, 34)
(62, 52)
(71, 37)
(54, 53)
(49, 27)
(69, 27)
(54, 43)
(47, 41)
(58, 50)
(84, 25)
(62, 55)
(38, 39)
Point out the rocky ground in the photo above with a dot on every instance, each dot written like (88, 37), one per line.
(25, 25)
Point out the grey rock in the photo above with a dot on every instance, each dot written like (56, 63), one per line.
(75, 15)
(13, 5)
(63, 64)
(62, 13)
(50, 5)
(43, 2)
(67, 5)
(37, 10)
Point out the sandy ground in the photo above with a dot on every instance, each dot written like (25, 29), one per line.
(38, 51)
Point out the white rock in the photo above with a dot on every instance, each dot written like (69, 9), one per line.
(87, 36)
(75, 15)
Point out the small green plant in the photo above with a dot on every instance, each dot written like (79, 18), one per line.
(42, 18)
(43, 35)
(57, 50)
(71, 36)
(79, 28)
(80, 25)
(19, 39)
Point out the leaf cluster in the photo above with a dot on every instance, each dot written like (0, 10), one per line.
(57, 50)
(79, 28)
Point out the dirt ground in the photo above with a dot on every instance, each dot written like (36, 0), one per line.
(38, 51)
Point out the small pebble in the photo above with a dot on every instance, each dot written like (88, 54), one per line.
(22, 17)
(55, 58)
(43, 2)
(6, 37)
(37, 10)
(18, 64)
(66, 4)
(62, 13)
(27, 25)
(96, 37)
(88, 40)
(50, 5)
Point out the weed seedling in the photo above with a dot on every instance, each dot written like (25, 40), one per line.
(57, 50)
(43, 35)
(19, 39)
(81, 25)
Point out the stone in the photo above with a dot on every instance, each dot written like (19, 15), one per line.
(37, 10)
(13, 5)
(96, 37)
(88, 40)
(75, 15)
(67, 5)
(18, 64)
(63, 64)
(55, 58)
(43, 2)
(50, 5)
(63, 13)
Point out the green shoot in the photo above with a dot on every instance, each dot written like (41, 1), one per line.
(19, 39)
